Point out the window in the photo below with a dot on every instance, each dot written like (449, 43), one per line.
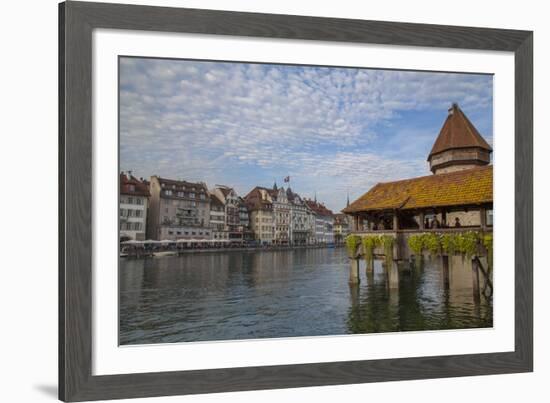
(130, 200)
(181, 194)
(137, 226)
(122, 212)
(139, 201)
(192, 195)
(202, 196)
(168, 192)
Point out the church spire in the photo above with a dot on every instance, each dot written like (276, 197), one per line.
(275, 185)
(347, 203)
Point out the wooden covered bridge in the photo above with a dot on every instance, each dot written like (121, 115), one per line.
(457, 199)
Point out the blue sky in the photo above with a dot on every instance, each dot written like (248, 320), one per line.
(332, 130)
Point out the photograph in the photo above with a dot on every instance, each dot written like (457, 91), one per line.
(262, 200)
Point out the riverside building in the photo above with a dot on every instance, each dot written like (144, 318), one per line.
(134, 198)
(260, 207)
(324, 222)
(178, 210)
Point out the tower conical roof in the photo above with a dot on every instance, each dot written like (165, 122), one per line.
(458, 132)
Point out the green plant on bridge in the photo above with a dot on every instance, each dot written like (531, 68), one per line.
(432, 243)
(416, 243)
(352, 243)
(369, 243)
(467, 243)
(449, 244)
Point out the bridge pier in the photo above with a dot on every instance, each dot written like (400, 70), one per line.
(392, 274)
(354, 271)
(445, 265)
(369, 266)
(475, 280)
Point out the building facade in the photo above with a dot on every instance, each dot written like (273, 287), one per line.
(342, 227)
(281, 216)
(133, 201)
(301, 230)
(236, 213)
(324, 222)
(260, 207)
(178, 210)
(217, 218)
(244, 221)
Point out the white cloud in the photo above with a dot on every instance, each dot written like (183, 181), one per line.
(216, 121)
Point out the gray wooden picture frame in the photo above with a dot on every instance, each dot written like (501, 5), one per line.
(77, 20)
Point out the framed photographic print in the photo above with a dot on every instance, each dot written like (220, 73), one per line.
(253, 201)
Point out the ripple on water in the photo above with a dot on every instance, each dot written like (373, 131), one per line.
(231, 295)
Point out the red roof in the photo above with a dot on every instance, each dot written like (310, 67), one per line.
(254, 200)
(131, 186)
(182, 185)
(458, 132)
(319, 208)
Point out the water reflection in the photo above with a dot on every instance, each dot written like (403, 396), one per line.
(234, 295)
(425, 300)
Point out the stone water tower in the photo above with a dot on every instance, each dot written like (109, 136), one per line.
(459, 145)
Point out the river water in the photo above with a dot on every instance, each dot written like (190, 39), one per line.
(303, 292)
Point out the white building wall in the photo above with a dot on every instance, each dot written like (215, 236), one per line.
(133, 216)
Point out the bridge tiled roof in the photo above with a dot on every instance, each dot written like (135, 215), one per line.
(467, 187)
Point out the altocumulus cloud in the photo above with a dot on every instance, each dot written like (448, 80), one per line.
(330, 129)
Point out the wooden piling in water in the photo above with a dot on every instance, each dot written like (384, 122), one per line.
(369, 269)
(475, 280)
(445, 265)
(393, 275)
(354, 271)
